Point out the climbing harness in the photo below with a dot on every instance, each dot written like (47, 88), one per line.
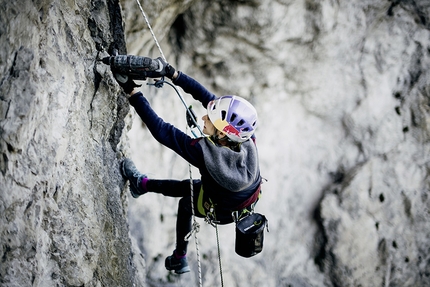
(191, 122)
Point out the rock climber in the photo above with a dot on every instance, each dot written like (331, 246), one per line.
(226, 157)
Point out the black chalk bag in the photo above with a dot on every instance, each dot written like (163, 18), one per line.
(250, 234)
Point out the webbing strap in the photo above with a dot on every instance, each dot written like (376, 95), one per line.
(200, 207)
(251, 200)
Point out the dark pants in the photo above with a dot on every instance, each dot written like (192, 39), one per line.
(181, 188)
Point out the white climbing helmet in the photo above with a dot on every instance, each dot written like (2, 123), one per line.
(234, 116)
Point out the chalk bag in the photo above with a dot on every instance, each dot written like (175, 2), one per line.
(250, 234)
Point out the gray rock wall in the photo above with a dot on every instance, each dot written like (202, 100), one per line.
(62, 204)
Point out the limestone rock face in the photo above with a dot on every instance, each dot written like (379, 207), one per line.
(62, 204)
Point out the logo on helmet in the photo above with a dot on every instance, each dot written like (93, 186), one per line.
(229, 129)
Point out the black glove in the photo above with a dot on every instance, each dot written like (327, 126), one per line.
(164, 69)
(126, 83)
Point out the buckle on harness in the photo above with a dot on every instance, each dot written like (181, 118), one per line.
(210, 216)
(237, 215)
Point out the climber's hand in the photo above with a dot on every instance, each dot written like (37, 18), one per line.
(165, 69)
(126, 83)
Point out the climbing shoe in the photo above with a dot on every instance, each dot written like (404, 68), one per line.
(179, 265)
(130, 172)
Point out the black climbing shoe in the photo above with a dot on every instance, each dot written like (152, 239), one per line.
(129, 171)
(178, 265)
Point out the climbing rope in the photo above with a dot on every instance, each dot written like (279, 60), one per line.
(196, 227)
(159, 84)
(219, 255)
(210, 216)
(150, 29)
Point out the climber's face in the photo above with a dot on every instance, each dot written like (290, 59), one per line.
(208, 128)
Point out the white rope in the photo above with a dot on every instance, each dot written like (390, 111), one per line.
(196, 226)
(219, 255)
(211, 219)
(150, 29)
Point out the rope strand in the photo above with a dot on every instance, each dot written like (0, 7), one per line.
(150, 29)
(196, 226)
(219, 255)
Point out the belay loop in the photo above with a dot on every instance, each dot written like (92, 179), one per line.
(210, 217)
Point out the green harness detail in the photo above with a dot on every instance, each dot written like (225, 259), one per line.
(207, 209)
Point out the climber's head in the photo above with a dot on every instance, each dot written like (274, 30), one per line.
(232, 116)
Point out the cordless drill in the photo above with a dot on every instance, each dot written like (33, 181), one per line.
(136, 67)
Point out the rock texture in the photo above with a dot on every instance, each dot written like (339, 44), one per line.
(343, 94)
(62, 198)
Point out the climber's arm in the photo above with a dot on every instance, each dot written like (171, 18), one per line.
(191, 86)
(166, 133)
